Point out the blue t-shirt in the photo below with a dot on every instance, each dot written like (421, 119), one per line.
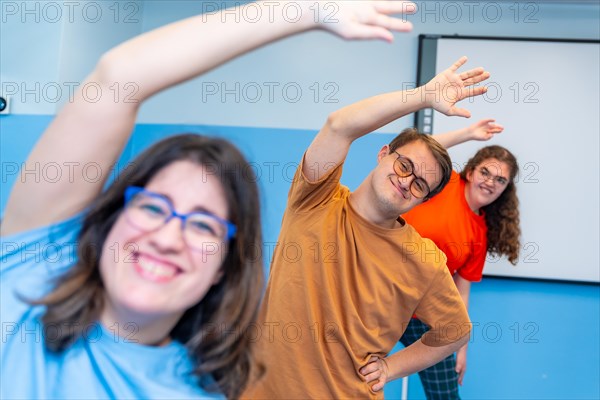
(99, 365)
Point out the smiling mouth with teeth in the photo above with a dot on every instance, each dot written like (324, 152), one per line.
(155, 271)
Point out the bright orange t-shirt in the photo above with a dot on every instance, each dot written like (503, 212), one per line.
(461, 234)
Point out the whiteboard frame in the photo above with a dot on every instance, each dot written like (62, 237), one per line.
(425, 122)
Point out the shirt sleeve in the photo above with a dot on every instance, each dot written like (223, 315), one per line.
(31, 260)
(305, 195)
(472, 270)
(443, 310)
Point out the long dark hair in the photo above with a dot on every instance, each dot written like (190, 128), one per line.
(214, 330)
(501, 216)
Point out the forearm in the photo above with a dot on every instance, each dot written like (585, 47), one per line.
(185, 49)
(441, 93)
(347, 124)
(452, 138)
(419, 356)
(484, 129)
(368, 115)
(350, 123)
(464, 288)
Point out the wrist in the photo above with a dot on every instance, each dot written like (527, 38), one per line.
(425, 95)
(468, 134)
(419, 97)
(299, 15)
(311, 14)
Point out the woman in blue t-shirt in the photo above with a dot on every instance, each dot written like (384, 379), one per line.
(148, 289)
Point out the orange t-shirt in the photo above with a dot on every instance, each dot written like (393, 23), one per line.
(342, 290)
(461, 234)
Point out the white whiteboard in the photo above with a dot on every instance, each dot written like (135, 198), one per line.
(547, 96)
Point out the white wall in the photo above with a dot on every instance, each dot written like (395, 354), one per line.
(551, 126)
(353, 70)
(29, 55)
(65, 51)
(47, 47)
(84, 42)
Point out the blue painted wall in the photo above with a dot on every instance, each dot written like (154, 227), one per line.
(531, 340)
(274, 156)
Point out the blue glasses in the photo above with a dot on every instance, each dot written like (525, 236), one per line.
(149, 211)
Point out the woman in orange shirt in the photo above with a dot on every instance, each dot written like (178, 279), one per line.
(476, 213)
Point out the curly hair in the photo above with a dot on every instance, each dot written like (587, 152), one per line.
(223, 362)
(501, 216)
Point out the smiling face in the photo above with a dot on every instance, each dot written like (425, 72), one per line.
(155, 274)
(486, 182)
(393, 192)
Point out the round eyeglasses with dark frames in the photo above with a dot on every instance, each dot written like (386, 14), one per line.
(487, 175)
(149, 211)
(404, 167)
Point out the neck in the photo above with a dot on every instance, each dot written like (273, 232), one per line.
(363, 201)
(138, 328)
(475, 207)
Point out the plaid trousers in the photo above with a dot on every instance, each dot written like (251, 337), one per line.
(440, 381)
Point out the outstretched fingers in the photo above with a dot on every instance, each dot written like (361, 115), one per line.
(474, 76)
(474, 91)
(391, 23)
(368, 32)
(471, 92)
(366, 19)
(459, 63)
(395, 7)
(495, 128)
(452, 87)
(458, 112)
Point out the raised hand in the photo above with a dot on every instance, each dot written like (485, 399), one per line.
(449, 87)
(375, 371)
(484, 129)
(364, 19)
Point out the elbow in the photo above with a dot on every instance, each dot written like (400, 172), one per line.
(335, 124)
(466, 335)
(113, 69)
(110, 68)
(464, 340)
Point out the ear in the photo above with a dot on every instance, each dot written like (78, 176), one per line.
(470, 175)
(385, 151)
